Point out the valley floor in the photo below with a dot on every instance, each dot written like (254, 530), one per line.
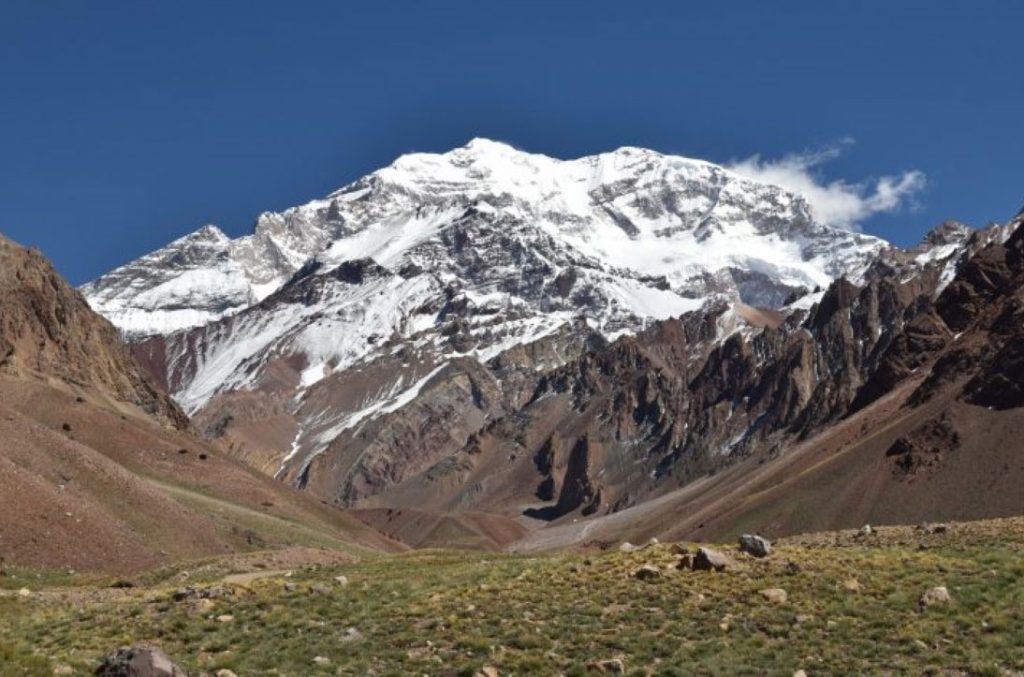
(852, 605)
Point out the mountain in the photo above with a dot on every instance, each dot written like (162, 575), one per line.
(48, 329)
(493, 333)
(612, 225)
(932, 432)
(101, 471)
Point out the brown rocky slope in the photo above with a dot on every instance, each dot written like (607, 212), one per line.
(98, 468)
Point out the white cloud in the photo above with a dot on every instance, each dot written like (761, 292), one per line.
(839, 202)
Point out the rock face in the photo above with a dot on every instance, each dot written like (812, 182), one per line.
(488, 330)
(473, 253)
(47, 328)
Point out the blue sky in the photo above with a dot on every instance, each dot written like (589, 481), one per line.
(126, 124)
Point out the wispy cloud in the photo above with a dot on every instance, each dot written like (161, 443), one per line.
(839, 202)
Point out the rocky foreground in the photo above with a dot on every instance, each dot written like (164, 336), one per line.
(936, 598)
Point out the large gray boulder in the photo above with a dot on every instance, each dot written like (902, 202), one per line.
(139, 661)
(707, 559)
(757, 546)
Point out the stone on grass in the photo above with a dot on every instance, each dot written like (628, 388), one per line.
(628, 547)
(351, 635)
(851, 585)
(341, 580)
(321, 660)
(755, 545)
(712, 560)
(935, 596)
(611, 665)
(320, 589)
(138, 661)
(679, 549)
(24, 592)
(685, 562)
(225, 618)
(774, 595)
(647, 572)
(487, 671)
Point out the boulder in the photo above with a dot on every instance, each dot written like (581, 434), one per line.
(774, 595)
(612, 665)
(935, 596)
(138, 661)
(707, 559)
(685, 562)
(679, 549)
(755, 545)
(648, 572)
(320, 589)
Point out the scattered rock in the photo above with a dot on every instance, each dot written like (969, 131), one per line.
(647, 572)
(341, 580)
(803, 618)
(653, 541)
(321, 660)
(487, 671)
(224, 672)
(611, 665)
(204, 606)
(225, 618)
(851, 585)
(63, 669)
(755, 545)
(865, 531)
(920, 645)
(799, 673)
(793, 568)
(933, 528)
(138, 662)
(628, 547)
(774, 595)
(24, 592)
(934, 596)
(685, 562)
(320, 589)
(679, 549)
(289, 587)
(712, 560)
(351, 635)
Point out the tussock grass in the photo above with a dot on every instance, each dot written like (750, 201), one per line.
(436, 611)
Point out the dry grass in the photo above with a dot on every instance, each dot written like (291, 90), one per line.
(453, 612)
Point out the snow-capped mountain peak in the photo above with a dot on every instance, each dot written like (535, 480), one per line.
(470, 252)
